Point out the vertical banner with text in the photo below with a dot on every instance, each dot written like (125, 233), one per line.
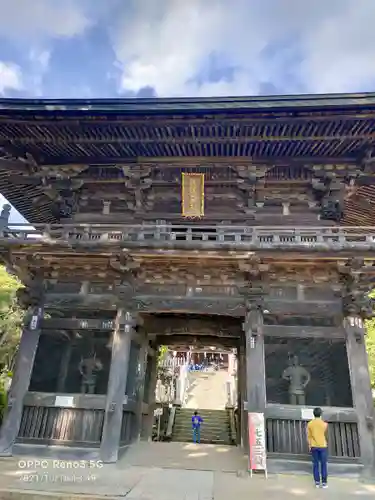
(257, 442)
(192, 195)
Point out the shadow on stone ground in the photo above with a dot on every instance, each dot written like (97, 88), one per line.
(174, 471)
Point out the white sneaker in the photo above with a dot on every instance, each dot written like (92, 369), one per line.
(325, 486)
(317, 485)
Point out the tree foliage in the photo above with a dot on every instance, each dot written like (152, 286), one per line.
(370, 343)
(163, 351)
(11, 319)
(164, 372)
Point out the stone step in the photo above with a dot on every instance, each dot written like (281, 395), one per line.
(223, 434)
(206, 418)
(203, 410)
(206, 430)
(204, 439)
(208, 440)
(215, 427)
(208, 434)
(206, 423)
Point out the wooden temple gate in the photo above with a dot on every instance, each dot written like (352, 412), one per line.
(112, 271)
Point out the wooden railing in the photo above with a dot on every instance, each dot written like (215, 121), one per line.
(48, 425)
(127, 427)
(289, 437)
(241, 237)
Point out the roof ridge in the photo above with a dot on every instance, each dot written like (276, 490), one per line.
(186, 103)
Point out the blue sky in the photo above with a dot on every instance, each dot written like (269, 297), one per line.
(142, 48)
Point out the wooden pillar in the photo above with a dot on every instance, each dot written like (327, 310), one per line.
(255, 362)
(141, 387)
(124, 326)
(21, 380)
(242, 412)
(361, 391)
(149, 419)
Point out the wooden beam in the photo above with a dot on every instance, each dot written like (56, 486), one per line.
(331, 414)
(201, 341)
(326, 332)
(109, 302)
(173, 161)
(303, 307)
(52, 139)
(77, 324)
(192, 305)
(81, 401)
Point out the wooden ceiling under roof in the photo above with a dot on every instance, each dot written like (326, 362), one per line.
(67, 138)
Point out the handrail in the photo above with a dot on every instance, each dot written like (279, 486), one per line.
(232, 424)
(24, 226)
(171, 421)
(187, 235)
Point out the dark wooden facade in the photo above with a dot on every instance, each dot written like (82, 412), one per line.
(279, 267)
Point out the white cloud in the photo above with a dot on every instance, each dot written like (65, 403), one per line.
(31, 26)
(39, 60)
(341, 54)
(10, 77)
(41, 19)
(164, 43)
(319, 46)
(324, 46)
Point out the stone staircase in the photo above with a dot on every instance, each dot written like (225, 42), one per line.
(207, 390)
(215, 428)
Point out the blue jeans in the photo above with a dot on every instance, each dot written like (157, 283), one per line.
(196, 434)
(320, 459)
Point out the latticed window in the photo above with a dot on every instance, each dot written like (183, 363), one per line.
(79, 365)
(312, 372)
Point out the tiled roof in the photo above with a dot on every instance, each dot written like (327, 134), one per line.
(336, 128)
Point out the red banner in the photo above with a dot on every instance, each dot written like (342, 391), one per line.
(257, 442)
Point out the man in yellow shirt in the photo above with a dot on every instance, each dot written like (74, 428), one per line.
(317, 439)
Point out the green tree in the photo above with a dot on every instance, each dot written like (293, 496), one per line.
(370, 343)
(163, 350)
(11, 319)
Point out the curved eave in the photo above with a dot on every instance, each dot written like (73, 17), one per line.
(57, 132)
(360, 209)
(21, 197)
(62, 139)
(191, 103)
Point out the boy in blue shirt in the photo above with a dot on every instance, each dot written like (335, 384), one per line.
(196, 421)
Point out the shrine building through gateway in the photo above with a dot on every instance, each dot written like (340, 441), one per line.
(244, 226)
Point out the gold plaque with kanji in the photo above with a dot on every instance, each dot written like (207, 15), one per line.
(192, 195)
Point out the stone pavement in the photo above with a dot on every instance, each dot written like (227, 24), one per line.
(164, 471)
